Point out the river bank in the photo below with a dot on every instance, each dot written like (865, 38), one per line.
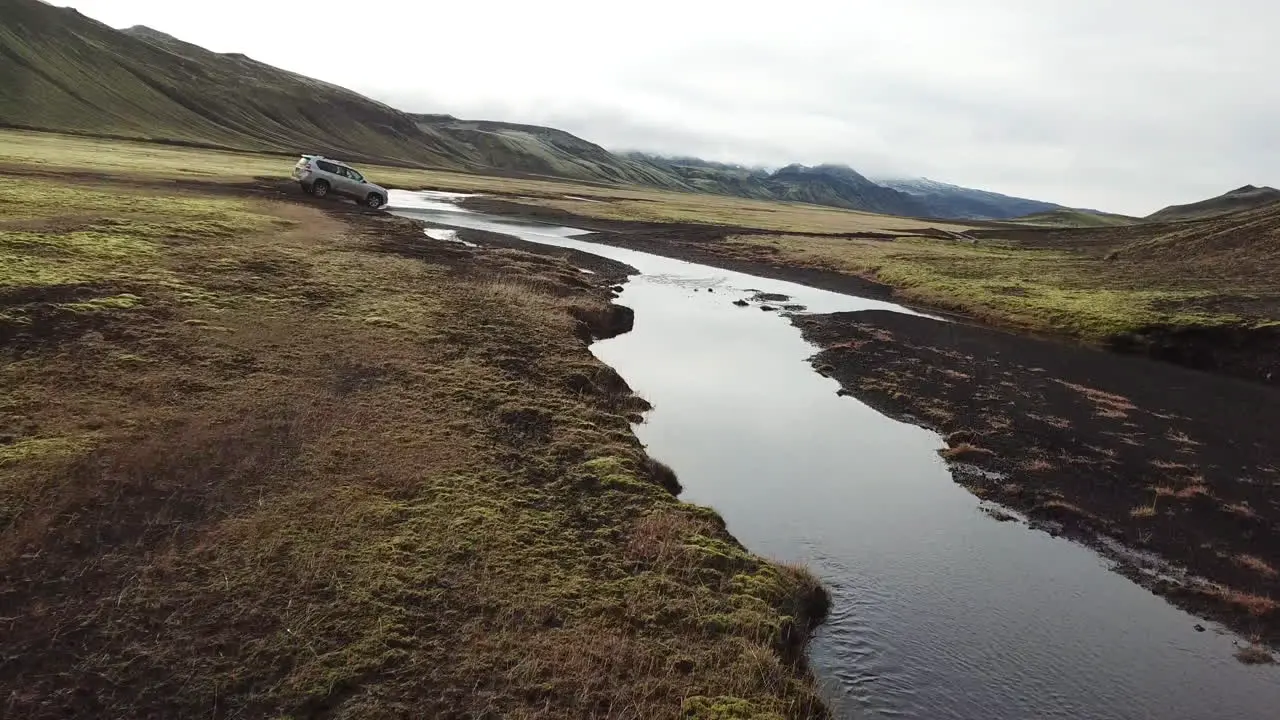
(937, 610)
(1168, 470)
(266, 456)
(1105, 287)
(1110, 450)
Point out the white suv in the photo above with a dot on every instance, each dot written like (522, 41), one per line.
(320, 176)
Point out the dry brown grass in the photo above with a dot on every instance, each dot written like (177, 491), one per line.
(1256, 605)
(1059, 507)
(1256, 564)
(965, 451)
(1242, 509)
(1038, 465)
(1255, 653)
(304, 470)
(1108, 405)
(1051, 420)
(939, 415)
(998, 423)
(1196, 489)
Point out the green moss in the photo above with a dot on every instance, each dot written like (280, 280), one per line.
(767, 583)
(123, 301)
(717, 552)
(725, 708)
(1033, 288)
(72, 235)
(37, 448)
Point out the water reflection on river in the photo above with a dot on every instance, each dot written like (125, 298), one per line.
(939, 611)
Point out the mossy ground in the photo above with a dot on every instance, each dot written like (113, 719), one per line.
(1035, 288)
(257, 460)
(1056, 283)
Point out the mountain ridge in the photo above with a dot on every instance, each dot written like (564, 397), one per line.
(949, 200)
(1242, 198)
(69, 73)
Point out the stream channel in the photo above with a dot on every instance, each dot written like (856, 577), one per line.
(938, 610)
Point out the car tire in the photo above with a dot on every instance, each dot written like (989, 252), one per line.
(320, 188)
(374, 201)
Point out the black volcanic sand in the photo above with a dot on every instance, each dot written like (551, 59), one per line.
(1098, 446)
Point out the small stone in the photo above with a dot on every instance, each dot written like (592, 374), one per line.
(741, 303)
(1199, 627)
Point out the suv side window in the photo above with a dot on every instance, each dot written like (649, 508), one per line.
(329, 167)
(354, 175)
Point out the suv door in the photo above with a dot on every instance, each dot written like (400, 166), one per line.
(342, 180)
(333, 174)
(355, 183)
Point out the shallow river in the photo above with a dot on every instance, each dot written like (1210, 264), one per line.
(938, 610)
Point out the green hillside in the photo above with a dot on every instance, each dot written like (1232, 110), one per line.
(66, 72)
(1068, 218)
(1247, 241)
(540, 150)
(1242, 198)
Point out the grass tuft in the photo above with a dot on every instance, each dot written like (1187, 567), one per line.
(965, 451)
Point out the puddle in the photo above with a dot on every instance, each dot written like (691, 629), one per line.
(939, 610)
(446, 235)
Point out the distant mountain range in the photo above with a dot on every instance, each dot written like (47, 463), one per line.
(65, 72)
(842, 186)
(953, 201)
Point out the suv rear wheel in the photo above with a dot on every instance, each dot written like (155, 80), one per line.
(320, 188)
(374, 201)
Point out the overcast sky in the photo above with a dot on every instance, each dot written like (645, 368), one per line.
(1121, 105)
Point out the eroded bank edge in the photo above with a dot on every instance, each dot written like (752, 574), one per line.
(808, 602)
(875, 359)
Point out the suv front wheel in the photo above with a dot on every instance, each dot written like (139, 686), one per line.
(374, 201)
(320, 188)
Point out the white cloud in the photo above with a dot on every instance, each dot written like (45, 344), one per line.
(1124, 106)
